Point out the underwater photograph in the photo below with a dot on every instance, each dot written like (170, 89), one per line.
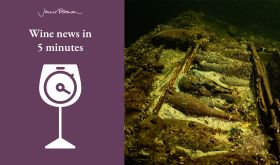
(202, 82)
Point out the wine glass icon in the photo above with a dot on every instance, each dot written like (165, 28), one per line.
(60, 86)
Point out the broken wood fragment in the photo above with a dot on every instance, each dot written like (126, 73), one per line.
(185, 65)
(263, 91)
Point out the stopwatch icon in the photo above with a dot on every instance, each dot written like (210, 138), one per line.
(60, 87)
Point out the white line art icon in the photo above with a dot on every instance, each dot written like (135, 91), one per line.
(60, 86)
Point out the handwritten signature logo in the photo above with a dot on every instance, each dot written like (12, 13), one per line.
(58, 11)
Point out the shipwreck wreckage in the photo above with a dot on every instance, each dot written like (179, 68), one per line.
(201, 91)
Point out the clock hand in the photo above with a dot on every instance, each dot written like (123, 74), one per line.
(66, 91)
(61, 88)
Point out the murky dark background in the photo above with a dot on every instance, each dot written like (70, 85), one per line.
(258, 16)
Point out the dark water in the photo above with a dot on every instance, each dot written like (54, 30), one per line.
(258, 16)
